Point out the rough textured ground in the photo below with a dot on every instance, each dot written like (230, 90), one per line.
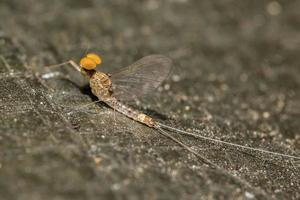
(236, 77)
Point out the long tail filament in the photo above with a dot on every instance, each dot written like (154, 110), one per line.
(163, 126)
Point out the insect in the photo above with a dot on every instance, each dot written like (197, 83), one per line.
(141, 77)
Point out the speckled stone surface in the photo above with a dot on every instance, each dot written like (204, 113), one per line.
(236, 77)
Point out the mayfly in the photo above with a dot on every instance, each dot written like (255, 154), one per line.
(140, 78)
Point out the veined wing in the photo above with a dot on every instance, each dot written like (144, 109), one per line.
(140, 78)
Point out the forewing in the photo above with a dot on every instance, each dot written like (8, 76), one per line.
(140, 78)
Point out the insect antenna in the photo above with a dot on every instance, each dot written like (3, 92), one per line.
(85, 51)
(224, 142)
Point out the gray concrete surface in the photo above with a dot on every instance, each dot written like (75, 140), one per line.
(236, 77)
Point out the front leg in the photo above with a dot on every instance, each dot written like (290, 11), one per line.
(110, 90)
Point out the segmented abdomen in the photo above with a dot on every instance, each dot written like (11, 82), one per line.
(129, 112)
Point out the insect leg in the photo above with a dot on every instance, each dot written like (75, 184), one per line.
(84, 105)
(71, 62)
(115, 122)
(56, 74)
(51, 75)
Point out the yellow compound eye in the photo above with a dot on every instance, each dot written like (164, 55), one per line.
(95, 58)
(88, 63)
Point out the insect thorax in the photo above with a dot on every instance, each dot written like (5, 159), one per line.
(100, 85)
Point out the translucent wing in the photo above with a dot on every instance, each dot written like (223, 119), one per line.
(141, 77)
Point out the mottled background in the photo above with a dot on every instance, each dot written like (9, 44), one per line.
(236, 77)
